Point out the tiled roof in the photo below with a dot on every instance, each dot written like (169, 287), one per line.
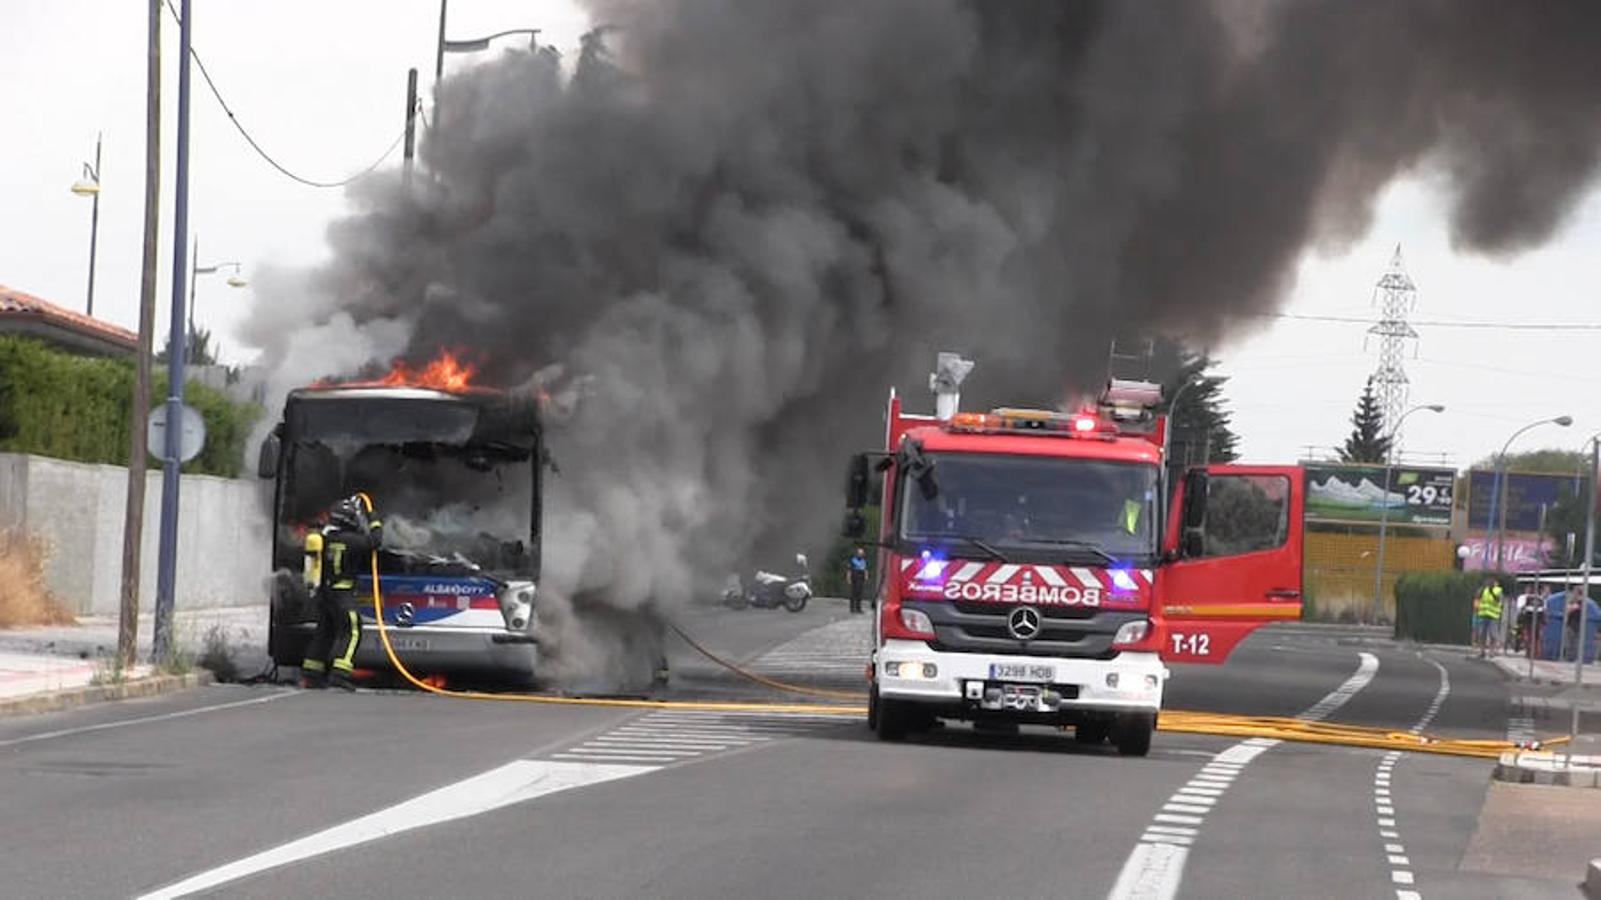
(15, 303)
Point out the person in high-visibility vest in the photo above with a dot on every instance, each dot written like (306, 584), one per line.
(1486, 616)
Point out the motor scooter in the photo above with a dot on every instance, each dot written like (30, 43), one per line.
(769, 590)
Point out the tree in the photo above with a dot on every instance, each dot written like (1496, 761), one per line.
(1367, 442)
(1200, 423)
(200, 352)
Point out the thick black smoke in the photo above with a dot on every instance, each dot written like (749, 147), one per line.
(742, 221)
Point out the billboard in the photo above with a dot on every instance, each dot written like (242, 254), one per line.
(1529, 498)
(1417, 496)
(1518, 554)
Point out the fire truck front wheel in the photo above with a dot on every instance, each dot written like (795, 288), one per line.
(1131, 732)
(889, 719)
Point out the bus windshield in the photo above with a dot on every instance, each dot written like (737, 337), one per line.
(444, 484)
(1035, 507)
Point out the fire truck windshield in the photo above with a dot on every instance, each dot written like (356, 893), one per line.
(1035, 507)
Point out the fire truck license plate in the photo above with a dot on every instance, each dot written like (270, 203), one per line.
(1022, 672)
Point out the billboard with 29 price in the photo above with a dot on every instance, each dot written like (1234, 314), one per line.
(1356, 494)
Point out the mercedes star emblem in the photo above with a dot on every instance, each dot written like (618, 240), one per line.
(1024, 623)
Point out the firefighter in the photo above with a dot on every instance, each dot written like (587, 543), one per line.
(343, 550)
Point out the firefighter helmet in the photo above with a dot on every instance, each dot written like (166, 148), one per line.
(347, 513)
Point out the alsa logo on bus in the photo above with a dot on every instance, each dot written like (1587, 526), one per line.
(1040, 585)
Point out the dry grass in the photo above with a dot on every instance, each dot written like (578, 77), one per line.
(24, 599)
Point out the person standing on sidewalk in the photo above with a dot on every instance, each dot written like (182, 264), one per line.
(856, 575)
(1486, 616)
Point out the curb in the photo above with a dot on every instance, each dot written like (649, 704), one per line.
(1542, 768)
(1592, 879)
(55, 701)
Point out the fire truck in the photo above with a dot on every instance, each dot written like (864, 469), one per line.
(1042, 567)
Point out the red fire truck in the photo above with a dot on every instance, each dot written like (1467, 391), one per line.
(1037, 567)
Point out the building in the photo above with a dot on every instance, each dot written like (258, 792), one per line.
(30, 316)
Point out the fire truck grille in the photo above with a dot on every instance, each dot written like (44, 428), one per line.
(1067, 632)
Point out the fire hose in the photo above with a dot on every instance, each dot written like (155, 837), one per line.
(1175, 721)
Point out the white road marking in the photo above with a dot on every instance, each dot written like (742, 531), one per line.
(1155, 868)
(163, 717)
(515, 782)
(1384, 804)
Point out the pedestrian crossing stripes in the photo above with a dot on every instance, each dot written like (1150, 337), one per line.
(1520, 730)
(670, 736)
(834, 655)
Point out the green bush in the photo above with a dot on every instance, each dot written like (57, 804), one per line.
(1437, 607)
(71, 407)
(56, 404)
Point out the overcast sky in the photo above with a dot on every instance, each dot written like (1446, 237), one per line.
(322, 86)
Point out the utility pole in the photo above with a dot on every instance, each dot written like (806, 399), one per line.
(1584, 594)
(411, 124)
(133, 518)
(167, 559)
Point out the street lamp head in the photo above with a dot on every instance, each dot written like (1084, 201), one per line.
(1435, 407)
(85, 187)
(1564, 421)
(236, 281)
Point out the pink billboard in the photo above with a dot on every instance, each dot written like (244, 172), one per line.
(1518, 554)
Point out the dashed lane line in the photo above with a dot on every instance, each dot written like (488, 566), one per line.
(1155, 869)
(1402, 875)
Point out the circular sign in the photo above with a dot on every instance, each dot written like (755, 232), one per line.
(191, 435)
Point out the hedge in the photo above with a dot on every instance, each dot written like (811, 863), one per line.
(72, 407)
(1437, 607)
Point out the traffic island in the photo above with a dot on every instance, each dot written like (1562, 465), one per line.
(1549, 768)
(71, 698)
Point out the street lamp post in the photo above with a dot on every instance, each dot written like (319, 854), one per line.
(442, 46)
(89, 186)
(1384, 505)
(1500, 498)
(167, 549)
(196, 270)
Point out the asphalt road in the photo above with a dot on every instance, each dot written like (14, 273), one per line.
(267, 792)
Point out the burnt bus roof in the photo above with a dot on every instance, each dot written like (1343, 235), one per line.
(499, 416)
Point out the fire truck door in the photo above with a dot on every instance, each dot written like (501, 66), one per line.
(1235, 543)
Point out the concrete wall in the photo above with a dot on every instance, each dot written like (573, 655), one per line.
(224, 532)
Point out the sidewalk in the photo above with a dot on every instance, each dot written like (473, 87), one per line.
(57, 666)
(1547, 672)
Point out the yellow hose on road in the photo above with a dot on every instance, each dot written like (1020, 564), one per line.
(1287, 729)
(617, 703)
(1174, 721)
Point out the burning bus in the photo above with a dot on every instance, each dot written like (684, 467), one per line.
(455, 473)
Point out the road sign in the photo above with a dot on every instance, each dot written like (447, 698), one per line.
(191, 440)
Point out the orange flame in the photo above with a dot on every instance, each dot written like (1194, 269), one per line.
(445, 372)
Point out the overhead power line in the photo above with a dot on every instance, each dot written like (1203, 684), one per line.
(1443, 323)
(309, 182)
